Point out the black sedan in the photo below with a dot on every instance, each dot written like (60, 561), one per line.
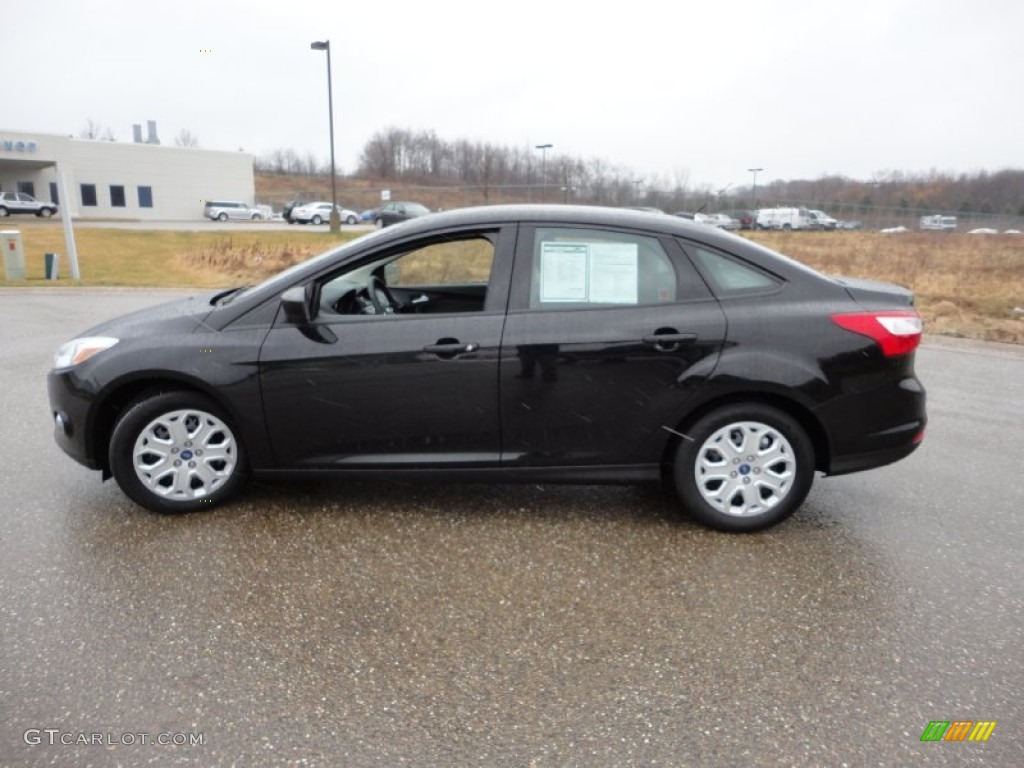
(394, 213)
(518, 343)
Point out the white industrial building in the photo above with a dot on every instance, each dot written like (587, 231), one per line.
(91, 178)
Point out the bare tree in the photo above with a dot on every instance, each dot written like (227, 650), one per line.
(92, 130)
(186, 138)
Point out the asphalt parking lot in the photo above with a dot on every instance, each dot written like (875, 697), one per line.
(328, 623)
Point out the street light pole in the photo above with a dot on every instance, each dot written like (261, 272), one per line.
(753, 193)
(325, 45)
(543, 167)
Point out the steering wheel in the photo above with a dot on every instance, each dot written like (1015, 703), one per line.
(383, 301)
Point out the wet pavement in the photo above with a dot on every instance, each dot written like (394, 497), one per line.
(329, 623)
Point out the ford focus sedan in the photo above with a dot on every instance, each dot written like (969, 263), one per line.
(505, 344)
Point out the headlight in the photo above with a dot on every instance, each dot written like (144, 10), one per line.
(79, 350)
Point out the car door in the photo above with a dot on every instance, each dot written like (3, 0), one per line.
(415, 388)
(609, 335)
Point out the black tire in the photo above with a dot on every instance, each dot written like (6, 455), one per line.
(749, 491)
(379, 223)
(317, 220)
(350, 220)
(46, 212)
(257, 217)
(222, 217)
(4, 213)
(203, 482)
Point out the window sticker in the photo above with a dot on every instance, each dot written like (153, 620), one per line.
(613, 273)
(563, 272)
(599, 273)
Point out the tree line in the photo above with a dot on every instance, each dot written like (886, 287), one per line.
(423, 158)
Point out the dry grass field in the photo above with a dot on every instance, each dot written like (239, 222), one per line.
(966, 285)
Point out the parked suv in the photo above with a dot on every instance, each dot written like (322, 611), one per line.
(222, 210)
(19, 202)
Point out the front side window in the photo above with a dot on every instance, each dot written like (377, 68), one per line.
(436, 277)
(588, 267)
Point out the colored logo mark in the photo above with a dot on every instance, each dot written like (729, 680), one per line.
(958, 730)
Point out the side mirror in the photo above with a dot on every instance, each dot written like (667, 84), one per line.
(297, 306)
(392, 273)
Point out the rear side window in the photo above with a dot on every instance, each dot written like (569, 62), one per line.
(587, 267)
(729, 276)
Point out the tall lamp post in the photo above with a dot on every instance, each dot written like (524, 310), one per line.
(543, 167)
(325, 45)
(753, 193)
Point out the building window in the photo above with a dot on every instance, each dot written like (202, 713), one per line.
(88, 194)
(54, 197)
(145, 197)
(27, 188)
(116, 196)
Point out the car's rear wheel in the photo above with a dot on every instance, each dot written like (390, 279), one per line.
(317, 220)
(746, 467)
(222, 217)
(176, 452)
(3, 212)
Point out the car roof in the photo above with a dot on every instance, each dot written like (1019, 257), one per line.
(556, 214)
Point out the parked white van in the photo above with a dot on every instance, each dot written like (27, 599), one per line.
(784, 218)
(939, 223)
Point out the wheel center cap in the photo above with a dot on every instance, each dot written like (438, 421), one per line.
(186, 455)
(744, 469)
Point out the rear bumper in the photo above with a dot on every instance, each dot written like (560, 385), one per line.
(875, 426)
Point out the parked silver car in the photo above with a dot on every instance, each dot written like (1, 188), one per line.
(222, 210)
(320, 213)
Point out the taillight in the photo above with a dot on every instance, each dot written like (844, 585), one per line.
(896, 333)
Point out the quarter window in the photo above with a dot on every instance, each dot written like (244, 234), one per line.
(730, 276)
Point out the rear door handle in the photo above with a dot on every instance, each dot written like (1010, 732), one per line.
(450, 348)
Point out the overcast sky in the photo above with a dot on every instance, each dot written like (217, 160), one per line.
(696, 90)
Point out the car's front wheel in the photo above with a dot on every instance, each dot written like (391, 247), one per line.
(176, 452)
(350, 220)
(46, 212)
(745, 467)
(379, 223)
